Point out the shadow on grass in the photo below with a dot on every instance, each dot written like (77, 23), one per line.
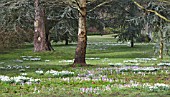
(123, 55)
(63, 45)
(33, 68)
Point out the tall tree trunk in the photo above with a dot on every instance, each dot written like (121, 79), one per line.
(66, 41)
(41, 34)
(161, 46)
(66, 38)
(131, 42)
(80, 52)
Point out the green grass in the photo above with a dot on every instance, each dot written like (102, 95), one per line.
(102, 47)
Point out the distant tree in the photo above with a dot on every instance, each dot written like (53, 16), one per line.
(16, 23)
(157, 14)
(18, 16)
(124, 19)
(66, 28)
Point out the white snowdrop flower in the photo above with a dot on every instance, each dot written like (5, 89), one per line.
(47, 60)
(135, 85)
(29, 56)
(39, 72)
(2, 63)
(154, 59)
(151, 88)
(28, 83)
(161, 85)
(23, 56)
(35, 59)
(23, 74)
(2, 67)
(108, 88)
(5, 78)
(84, 90)
(35, 89)
(27, 67)
(166, 71)
(25, 59)
(8, 67)
(37, 80)
(22, 70)
(155, 73)
(131, 81)
(143, 74)
(66, 61)
(17, 79)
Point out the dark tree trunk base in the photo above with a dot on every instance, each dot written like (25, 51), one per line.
(66, 41)
(79, 64)
(80, 61)
(131, 44)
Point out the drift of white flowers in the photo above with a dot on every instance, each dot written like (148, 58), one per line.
(66, 61)
(92, 58)
(15, 67)
(60, 73)
(18, 79)
(31, 58)
(138, 69)
(96, 90)
(39, 72)
(163, 64)
(157, 87)
(56, 73)
(140, 60)
(104, 88)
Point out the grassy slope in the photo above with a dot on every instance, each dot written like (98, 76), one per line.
(98, 47)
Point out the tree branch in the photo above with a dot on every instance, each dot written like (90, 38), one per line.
(100, 5)
(78, 5)
(165, 1)
(153, 11)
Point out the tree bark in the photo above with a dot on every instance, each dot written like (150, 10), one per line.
(66, 41)
(161, 46)
(80, 52)
(41, 34)
(132, 42)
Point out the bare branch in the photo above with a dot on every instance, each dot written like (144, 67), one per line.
(153, 11)
(100, 5)
(165, 1)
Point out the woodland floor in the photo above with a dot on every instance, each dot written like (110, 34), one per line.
(114, 70)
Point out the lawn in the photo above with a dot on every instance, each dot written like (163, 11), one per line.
(114, 70)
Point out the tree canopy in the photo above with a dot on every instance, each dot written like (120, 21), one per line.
(129, 19)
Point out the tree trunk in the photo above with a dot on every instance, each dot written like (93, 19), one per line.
(132, 42)
(66, 41)
(161, 46)
(80, 52)
(41, 34)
